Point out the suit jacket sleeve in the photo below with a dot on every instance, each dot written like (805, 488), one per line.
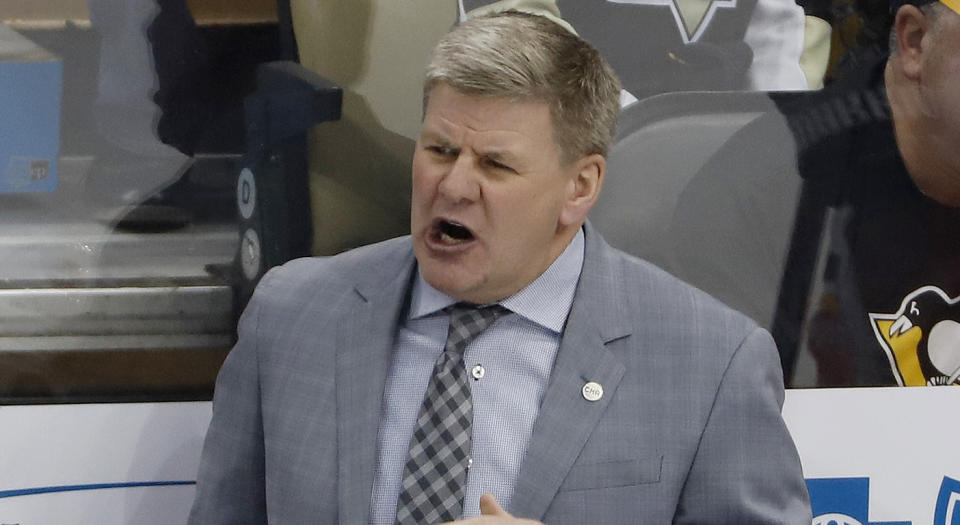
(746, 469)
(230, 481)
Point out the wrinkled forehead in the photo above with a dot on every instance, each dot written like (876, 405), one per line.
(501, 100)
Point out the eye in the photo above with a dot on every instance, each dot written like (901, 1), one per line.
(442, 150)
(497, 165)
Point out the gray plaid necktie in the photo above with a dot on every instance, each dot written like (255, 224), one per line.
(435, 476)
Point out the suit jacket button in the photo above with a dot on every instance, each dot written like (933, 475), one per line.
(592, 391)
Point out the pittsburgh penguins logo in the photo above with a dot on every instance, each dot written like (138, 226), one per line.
(922, 339)
(692, 16)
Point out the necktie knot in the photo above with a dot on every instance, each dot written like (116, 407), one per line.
(467, 321)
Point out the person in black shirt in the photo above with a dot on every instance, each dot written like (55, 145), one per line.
(879, 208)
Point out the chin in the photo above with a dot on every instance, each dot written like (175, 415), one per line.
(455, 282)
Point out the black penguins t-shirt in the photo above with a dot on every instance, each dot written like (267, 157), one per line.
(905, 258)
(889, 313)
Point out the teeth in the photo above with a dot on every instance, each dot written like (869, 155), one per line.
(446, 239)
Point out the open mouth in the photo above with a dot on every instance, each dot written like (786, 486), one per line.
(450, 233)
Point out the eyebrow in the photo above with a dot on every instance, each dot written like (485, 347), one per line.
(433, 135)
(497, 155)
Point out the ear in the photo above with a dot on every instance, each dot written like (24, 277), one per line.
(910, 26)
(586, 180)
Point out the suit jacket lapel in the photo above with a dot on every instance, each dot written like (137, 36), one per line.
(566, 417)
(364, 347)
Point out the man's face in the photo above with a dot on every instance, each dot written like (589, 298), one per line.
(941, 85)
(490, 195)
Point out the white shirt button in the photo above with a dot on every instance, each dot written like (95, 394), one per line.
(592, 391)
(478, 372)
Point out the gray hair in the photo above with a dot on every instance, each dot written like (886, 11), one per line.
(525, 57)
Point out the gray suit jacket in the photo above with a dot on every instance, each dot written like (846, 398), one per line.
(688, 429)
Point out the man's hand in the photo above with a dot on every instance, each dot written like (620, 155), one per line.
(491, 513)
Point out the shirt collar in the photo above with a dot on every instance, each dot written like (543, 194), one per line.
(546, 301)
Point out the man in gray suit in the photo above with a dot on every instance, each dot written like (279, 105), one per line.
(576, 384)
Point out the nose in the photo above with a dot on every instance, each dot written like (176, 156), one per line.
(460, 183)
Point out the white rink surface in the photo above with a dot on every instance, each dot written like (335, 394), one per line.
(69, 445)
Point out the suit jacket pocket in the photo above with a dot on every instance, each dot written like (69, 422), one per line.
(613, 474)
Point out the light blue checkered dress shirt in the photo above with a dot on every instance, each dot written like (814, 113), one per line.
(516, 353)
